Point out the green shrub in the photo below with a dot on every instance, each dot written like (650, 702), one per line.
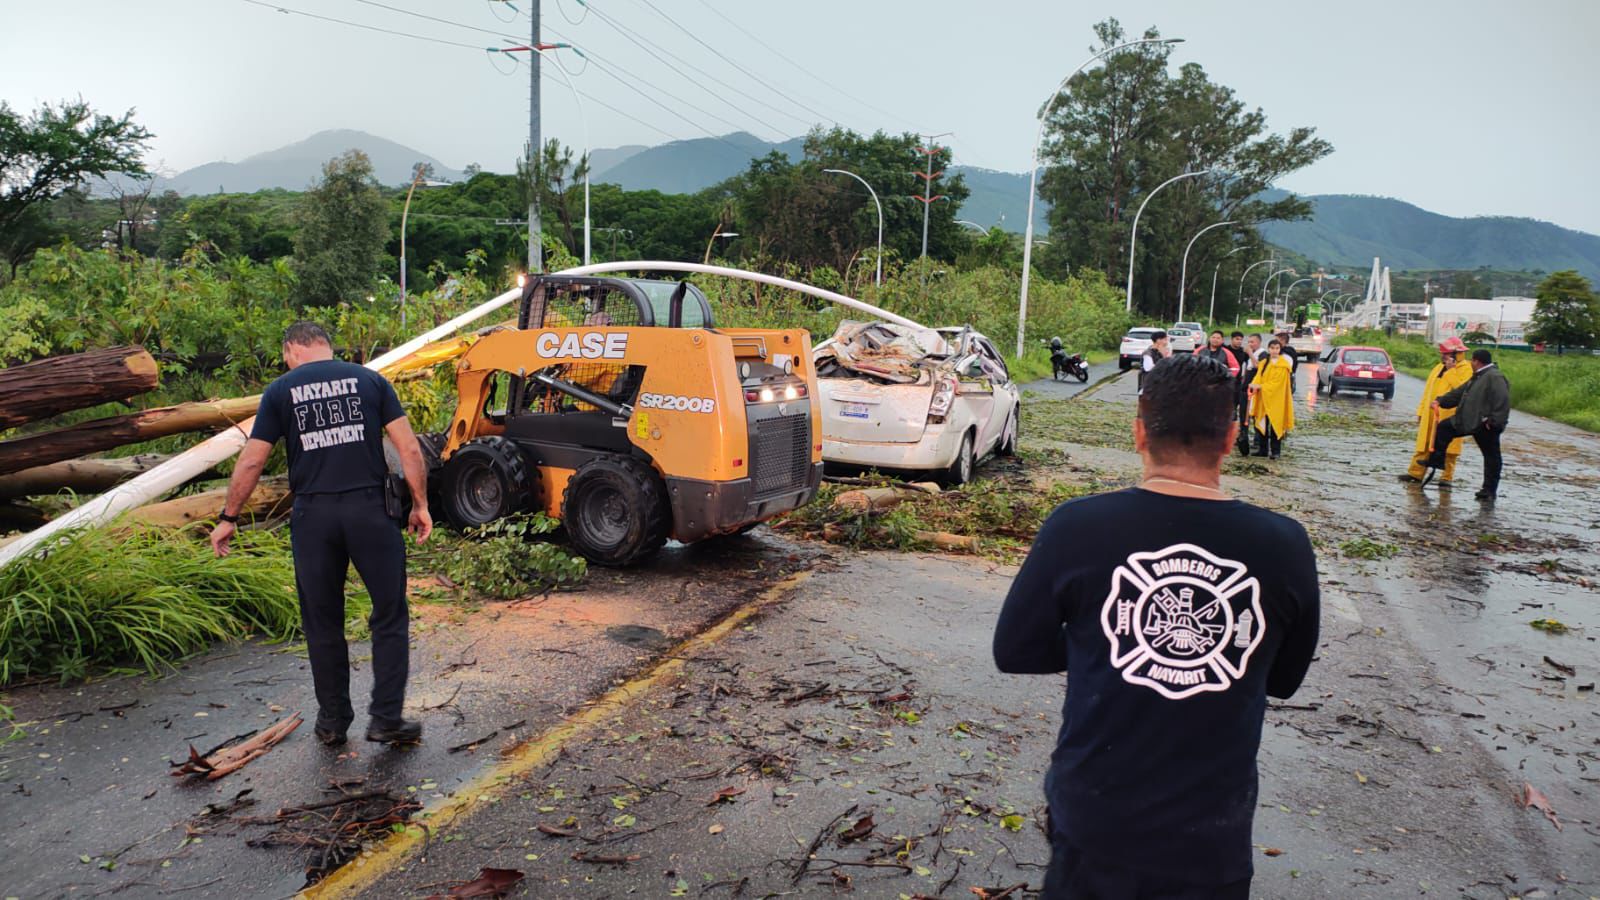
(503, 559)
(145, 598)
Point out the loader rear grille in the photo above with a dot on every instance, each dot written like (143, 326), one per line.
(780, 450)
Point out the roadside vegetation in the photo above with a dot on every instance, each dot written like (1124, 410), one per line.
(1560, 387)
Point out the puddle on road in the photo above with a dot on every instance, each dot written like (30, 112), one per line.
(642, 636)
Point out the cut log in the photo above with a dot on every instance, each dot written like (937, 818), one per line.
(270, 498)
(81, 476)
(103, 434)
(944, 540)
(875, 499)
(48, 386)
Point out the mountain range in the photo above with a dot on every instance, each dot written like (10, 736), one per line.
(1345, 230)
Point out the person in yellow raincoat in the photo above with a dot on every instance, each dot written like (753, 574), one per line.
(1272, 400)
(1452, 372)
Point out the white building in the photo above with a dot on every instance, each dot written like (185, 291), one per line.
(1504, 317)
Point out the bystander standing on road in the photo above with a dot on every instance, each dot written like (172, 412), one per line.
(332, 416)
(1215, 350)
(1483, 408)
(1273, 404)
(1451, 372)
(1246, 366)
(1175, 611)
(1159, 349)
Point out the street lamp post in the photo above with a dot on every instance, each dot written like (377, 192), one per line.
(714, 235)
(1270, 259)
(405, 213)
(1133, 238)
(1183, 277)
(1289, 271)
(1214, 272)
(974, 225)
(878, 280)
(1283, 297)
(1033, 173)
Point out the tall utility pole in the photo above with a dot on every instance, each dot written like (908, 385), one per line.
(927, 197)
(535, 238)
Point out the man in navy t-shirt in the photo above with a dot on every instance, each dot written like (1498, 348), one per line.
(1175, 611)
(332, 417)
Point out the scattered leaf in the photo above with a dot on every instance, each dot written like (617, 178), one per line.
(727, 793)
(1272, 851)
(715, 829)
(1550, 626)
(489, 883)
(1532, 796)
(859, 830)
(1360, 778)
(1012, 822)
(626, 820)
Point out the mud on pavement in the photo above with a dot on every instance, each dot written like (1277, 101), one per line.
(90, 807)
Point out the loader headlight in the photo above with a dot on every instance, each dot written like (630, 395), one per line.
(766, 395)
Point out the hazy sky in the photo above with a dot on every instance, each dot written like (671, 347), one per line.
(1464, 107)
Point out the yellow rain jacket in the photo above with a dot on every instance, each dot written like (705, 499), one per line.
(1274, 402)
(1441, 381)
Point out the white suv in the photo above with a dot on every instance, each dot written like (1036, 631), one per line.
(1134, 344)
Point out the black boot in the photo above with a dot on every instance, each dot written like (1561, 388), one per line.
(406, 731)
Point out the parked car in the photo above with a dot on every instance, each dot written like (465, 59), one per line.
(1183, 340)
(1356, 369)
(1134, 344)
(914, 400)
(1195, 327)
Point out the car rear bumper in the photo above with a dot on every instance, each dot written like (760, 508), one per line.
(1342, 383)
(936, 450)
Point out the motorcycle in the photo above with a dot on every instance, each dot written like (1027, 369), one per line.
(1064, 364)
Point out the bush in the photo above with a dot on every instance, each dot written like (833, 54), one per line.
(502, 559)
(144, 597)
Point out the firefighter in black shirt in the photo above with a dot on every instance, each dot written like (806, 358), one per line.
(1175, 611)
(332, 417)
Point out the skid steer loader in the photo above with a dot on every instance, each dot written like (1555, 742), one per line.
(618, 407)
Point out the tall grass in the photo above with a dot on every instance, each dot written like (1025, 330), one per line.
(141, 598)
(1562, 388)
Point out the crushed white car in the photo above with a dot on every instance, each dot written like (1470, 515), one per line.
(914, 399)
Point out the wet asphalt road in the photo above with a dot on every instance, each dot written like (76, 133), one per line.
(1394, 772)
(1071, 387)
(90, 779)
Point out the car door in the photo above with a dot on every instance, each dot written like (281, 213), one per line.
(1004, 394)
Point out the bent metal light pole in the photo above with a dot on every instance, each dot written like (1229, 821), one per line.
(1033, 173)
(1133, 239)
(1289, 271)
(1183, 278)
(1213, 316)
(878, 278)
(1270, 259)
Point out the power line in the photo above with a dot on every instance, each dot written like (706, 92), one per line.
(418, 37)
(821, 116)
(641, 41)
(805, 69)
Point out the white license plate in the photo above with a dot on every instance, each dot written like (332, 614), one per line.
(854, 411)
(1363, 374)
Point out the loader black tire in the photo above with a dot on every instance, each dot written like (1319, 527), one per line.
(615, 511)
(486, 479)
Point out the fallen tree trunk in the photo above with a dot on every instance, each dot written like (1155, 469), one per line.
(48, 386)
(270, 498)
(82, 476)
(880, 498)
(103, 434)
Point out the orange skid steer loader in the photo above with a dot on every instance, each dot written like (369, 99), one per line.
(618, 407)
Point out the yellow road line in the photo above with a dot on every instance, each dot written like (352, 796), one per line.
(384, 858)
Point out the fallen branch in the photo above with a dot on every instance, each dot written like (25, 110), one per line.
(231, 759)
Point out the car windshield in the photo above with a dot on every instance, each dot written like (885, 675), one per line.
(1366, 357)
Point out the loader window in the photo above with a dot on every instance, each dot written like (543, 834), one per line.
(696, 311)
(614, 381)
(562, 305)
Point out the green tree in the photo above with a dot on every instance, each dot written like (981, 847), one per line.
(1567, 313)
(55, 150)
(344, 224)
(1119, 131)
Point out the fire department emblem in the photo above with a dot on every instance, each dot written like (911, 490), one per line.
(1181, 621)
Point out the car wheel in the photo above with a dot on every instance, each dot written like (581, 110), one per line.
(960, 471)
(615, 510)
(1388, 394)
(484, 480)
(1008, 438)
(1123, 364)
(1332, 389)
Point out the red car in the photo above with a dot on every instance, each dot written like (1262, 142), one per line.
(1356, 369)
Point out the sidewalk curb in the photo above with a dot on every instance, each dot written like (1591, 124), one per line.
(378, 861)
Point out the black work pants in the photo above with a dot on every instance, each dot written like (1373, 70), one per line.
(1268, 443)
(1075, 875)
(329, 532)
(1488, 441)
